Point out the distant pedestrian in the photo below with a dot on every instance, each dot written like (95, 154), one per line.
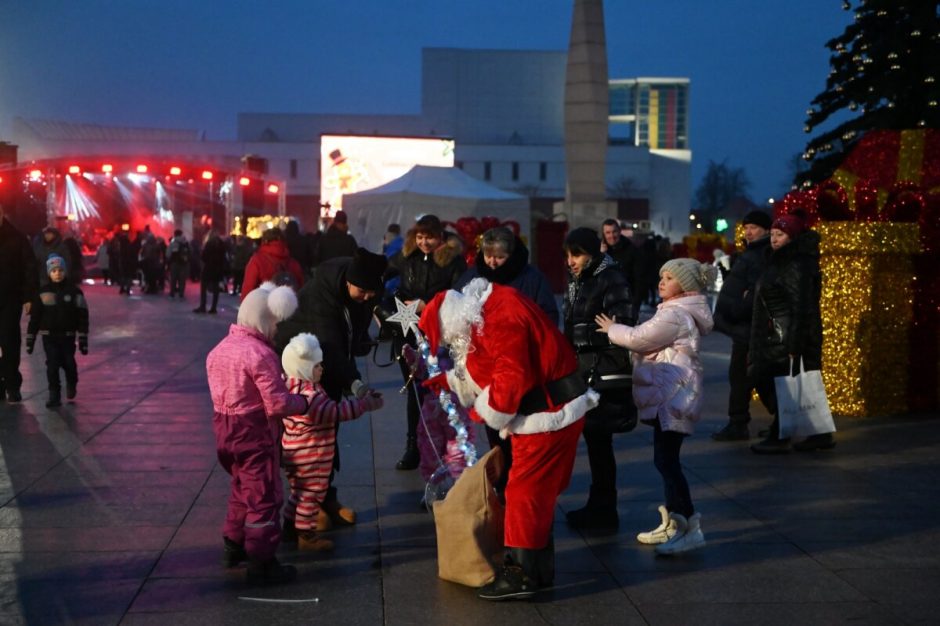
(336, 241)
(627, 256)
(309, 440)
(272, 262)
(249, 399)
(60, 315)
(214, 263)
(18, 285)
(177, 261)
(733, 313)
(244, 249)
(667, 388)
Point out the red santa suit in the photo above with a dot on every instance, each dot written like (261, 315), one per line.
(519, 375)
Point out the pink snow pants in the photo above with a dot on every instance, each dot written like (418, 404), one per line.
(247, 447)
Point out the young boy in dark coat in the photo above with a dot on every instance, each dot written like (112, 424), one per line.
(59, 314)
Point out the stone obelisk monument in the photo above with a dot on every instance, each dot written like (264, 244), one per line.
(586, 119)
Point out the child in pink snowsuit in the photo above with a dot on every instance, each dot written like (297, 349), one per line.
(309, 439)
(249, 399)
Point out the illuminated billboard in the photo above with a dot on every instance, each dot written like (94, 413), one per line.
(351, 163)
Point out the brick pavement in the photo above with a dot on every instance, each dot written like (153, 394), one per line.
(110, 509)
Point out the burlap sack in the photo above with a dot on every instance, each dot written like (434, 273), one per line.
(469, 524)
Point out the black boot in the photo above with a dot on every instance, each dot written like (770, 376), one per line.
(270, 572)
(517, 579)
(545, 564)
(411, 458)
(232, 553)
(600, 512)
(55, 398)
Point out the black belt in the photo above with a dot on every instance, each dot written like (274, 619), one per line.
(559, 391)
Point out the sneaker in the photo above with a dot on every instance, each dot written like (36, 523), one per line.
(310, 541)
(71, 390)
(662, 533)
(689, 536)
(232, 553)
(732, 432)
(511, 583)
(824, 441)
(270, 572)
(771, 445)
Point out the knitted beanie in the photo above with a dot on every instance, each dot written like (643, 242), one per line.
(758, 218)
(791, 224)
(692, 275)
(54, 261)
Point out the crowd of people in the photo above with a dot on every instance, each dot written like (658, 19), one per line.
(537, 378)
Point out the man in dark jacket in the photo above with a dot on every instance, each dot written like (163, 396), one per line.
(336, 306)
(733, 314)
(336, 241)
(49, 242)
(18, 286)
(622, 250)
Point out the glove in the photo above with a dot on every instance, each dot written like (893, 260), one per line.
(359, 389)
(83, 344)
(30, 343)
(372, 402)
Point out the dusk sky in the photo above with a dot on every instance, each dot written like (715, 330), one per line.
(754, 66)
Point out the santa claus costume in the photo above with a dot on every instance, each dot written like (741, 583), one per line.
(519, 375)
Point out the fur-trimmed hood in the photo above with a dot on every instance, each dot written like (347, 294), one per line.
(450, 249)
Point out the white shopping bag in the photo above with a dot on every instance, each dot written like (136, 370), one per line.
(802, 406)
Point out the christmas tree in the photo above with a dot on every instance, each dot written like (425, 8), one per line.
(885, 75)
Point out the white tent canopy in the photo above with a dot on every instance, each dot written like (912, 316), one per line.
(447, 192)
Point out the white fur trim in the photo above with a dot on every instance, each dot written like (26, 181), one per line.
(548, 421)
(493, 418)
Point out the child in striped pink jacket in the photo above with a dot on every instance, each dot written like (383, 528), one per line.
(309, 440)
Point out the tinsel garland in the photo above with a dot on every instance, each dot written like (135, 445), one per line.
(867, 306)
(453, 417)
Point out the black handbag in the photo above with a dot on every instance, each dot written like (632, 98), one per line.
(610, 373)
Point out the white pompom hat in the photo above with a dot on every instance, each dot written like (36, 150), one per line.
(265, 306)
(301, 355)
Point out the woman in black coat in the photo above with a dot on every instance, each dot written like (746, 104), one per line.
(429, 262)
(597, 285)
(787, 325)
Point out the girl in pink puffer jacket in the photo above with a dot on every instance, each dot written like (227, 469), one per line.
(667, 389)
(249, 399)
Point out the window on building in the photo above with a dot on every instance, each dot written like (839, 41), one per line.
(293, 168)
(487, 170)
(515, 171)
(543, 171)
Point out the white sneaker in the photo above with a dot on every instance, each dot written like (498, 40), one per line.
(662, 533)
(688, 536)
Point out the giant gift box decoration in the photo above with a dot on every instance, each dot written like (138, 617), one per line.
(879, 222)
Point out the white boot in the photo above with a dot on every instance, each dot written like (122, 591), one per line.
(662, 533)
(688, 536)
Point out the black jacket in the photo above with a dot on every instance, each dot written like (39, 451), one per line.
(59, 309)
(735, 305)
(214, 257)
(18, 277)
(627, 257)
(787, 318)
(601, 288)
(425, 275)
(334, 243)
(516, 272)
(341, 325)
